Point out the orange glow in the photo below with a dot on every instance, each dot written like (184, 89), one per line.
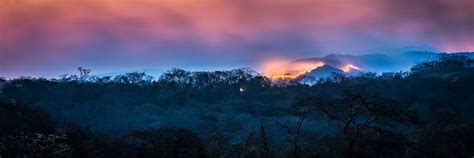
(280, 69)
(349, 67)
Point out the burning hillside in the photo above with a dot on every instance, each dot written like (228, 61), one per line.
(280, 69)
(349, 67)
(347, 64)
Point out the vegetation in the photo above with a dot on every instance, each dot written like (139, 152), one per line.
(426, 112)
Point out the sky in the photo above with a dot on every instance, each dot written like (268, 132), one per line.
(54, 37)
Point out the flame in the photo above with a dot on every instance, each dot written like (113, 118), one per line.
(287, 76)
(280, 69)
(349, 67)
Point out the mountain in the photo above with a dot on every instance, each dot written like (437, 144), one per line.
(324, 72)
(374, 62)
(378, 62)
(396, 50)
(467, 54)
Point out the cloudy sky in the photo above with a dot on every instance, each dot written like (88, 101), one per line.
(53, 37)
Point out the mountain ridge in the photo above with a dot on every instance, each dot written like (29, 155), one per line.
(376, 62)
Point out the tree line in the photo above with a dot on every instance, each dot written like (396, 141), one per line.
(425, 112)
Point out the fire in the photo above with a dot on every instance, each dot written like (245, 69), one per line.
(349, 67)
(280, 69)
(287, 76)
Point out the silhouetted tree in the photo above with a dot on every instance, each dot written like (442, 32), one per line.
(446, 135)
(358, 113)
(369, 115)
(83, 73)
(135, 78)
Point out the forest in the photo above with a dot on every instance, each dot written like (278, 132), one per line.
(427, 111)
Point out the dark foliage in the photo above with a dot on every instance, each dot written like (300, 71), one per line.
(426, 112)
(165, 142)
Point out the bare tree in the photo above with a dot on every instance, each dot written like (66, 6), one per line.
(83, 73)
(295, 131)
(358, 113)
(265, 144)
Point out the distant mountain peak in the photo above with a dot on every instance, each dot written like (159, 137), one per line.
(324, 71)
(374, 62)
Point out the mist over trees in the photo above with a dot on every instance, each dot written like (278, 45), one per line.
(425, 112)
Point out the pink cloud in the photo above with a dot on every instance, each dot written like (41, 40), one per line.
(50, 29)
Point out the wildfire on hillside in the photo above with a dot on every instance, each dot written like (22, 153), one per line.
(279, 69)
(349, 67)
